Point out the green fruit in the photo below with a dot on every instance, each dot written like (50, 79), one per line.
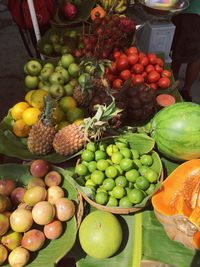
(47, 49)
(101, 198)
(83, 79)
(66, 60)
(74, 70)
(11, 240)
(68, 88)
(100, 234)
(31, 82)
(175, 130)
(74, 114)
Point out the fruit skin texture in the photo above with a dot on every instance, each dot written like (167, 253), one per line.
(39, 168)
(43, 212)
(176, 129)
(33, 240)
(3, 254)
(21, 220)
(18, 257)
(53, 230)
(65, 209)
(4, 224)
(100, 234)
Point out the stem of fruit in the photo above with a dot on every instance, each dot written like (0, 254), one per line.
(137, 237)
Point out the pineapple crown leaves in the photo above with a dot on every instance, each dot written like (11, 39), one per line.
(94, 127)
(49, 107)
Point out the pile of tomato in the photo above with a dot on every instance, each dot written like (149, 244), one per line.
(140, 68)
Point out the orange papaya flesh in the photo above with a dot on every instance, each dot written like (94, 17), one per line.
(196, 240)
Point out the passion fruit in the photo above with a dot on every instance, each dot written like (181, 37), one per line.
(33, 240)
(39, 168)
(43, 212)
(65, 209)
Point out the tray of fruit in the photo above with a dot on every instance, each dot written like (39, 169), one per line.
(40, 214)
(119, 174)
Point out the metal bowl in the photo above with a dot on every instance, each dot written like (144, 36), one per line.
(159, 9)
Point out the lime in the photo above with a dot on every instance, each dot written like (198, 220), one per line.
(135, 196)
(143, 169)
(108, 184)
(132, 175)
(142, 183)
(131, 185)
(126, 152)
(85, 163)
(102, 146)
(101, 198)
(118, 192)
(126, 164)
(97, 177)
(151, 175)
(120, 171)
(99, 154)
(102, 164)
(125, 202)
(111, 172)
(121, 181)
(87, 177)
(87, 155)
(146, 160)
(89, 182)
(101, 189)
(112, 202)
(111, 149)
(91, 146)
(116, 157)
(135, 154)
(151, 189)
(81, 169)
(92, 166)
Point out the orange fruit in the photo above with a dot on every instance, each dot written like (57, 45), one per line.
(21, 129)
(18, 109)
(30, 116)
(67, 102)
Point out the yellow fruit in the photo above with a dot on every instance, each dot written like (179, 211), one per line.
(37, 98)
(58, 115)
(18, 109)
(79, 121)
(21, 129)
(31, 115)
(67, 102)
(28, 96)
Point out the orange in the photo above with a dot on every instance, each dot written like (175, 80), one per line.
(21, 129)
(18, 109)
(30, 116)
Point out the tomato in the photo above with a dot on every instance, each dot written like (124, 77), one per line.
(144, 61)
(114, 67)
(149, 68)
(116, 55)
(125, 74)
(158, 68)
(111, 77)
(164, 82)
(122, 63)
(133, 59)
(160, 62)
(153, 86)
(138, 68)
(144, 74)
(153, 76)
(166, 73)
(142, 54)
(131, 50)
(137, 79)
(117, 83)
(152, 58)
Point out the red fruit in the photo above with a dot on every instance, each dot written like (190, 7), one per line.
(70, 10)
(78, 53)
(39, 168)
(125, 75)
(144, 61)
(6, 186)
(144, 74)
(137, 79)
(158, 68)
(122, 63)
(166, 73)
(116, 55)
(126, 25)
(138, 68)
(164, 82)
(131, 50)
(133, 59)
(88, 47)
(165, 100)
(142, 54)
(153, 76)
(152, 58)
(111, 77)
(149, 68)
(114, 67)
(53, 230)
(117, 84)
(153, 86)
(160, 62)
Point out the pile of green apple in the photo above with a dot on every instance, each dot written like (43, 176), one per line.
(59, 80)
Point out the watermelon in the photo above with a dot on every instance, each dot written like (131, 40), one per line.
(176, 131)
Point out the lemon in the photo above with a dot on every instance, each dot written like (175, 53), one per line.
(31, 115)
(21, 129)
(37, 98)
(67, 102)
(28, 96)
(18, 109)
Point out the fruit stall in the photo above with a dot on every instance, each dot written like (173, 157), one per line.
(101, 158)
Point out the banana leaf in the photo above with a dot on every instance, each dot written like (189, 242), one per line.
(53, 251)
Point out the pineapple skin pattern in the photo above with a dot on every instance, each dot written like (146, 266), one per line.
(69, 140)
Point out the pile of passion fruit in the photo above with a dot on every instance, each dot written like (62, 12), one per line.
(32, 214)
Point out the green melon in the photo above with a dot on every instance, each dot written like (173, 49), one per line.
(176, 131)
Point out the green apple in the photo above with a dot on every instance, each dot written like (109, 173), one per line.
(68, 89)
(46, 73)
(33, 67)
(57, 48)
(64, 73)
(66, 60)
(83, 79)
(44, 86)
(25, 69)
(49, 65)
(47, 49)
(54, 38)
(72, 33)
(65, 49)
(73, 70)
(56, 90)
(56, 77)
(31, 82)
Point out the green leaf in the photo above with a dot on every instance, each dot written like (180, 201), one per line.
(54, 250)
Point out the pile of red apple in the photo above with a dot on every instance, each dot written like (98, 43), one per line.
(138, 67)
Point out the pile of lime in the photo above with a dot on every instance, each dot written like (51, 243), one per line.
(118, 175)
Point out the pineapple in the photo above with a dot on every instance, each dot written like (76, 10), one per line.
(41, 135)
(73, 138)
